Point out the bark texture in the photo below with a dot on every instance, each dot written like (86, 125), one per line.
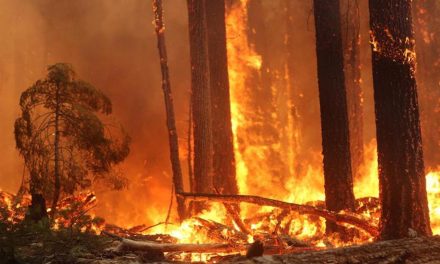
(414, 250)
(401, 170)
(169, 107)
(222, 140)
(334, 118)
(352, 69)
(200, 96)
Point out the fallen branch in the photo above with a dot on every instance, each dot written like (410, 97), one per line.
(132, 245)
(233, 211)
(302, 209)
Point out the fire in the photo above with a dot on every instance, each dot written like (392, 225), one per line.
(252, 165)
(241, 60)
(433, 190)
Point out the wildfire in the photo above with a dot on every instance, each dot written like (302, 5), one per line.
(214, 225)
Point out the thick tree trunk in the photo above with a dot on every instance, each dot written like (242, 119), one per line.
(401, 170)
(334, 118)
(200, 96)
(57, 183)
(352, 68)
(169, 107)
(222, 140)
(427, 29)
(414, 250)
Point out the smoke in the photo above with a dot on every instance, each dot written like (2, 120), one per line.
(112, 45)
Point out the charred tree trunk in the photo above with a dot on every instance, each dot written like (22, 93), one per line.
(401, 170)
(169, 107)
(334, 118)
(222, 140)
(352, 69)
(57, 176)
(200, 96)
(427, 32)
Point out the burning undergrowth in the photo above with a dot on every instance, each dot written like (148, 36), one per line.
(216, 234)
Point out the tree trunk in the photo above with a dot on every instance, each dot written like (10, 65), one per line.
(401, 170)
(200, 96)
(414, 250)
(427, 32)
(334, 118)
(169, 107)
(57, 184)
(352, 68)
(294, 91)
(222, 140)
(265, 125)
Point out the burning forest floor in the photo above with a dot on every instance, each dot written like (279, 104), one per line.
(222, 233)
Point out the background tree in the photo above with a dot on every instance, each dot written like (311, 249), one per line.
(427, 34)
(350, 25)
(266, 124)
(222, 140)
(200, 97)
(402, 183)
(334, 118)
(60, 134)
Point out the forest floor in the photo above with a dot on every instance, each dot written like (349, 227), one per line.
(66, 246)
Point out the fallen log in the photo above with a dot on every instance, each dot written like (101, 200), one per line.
(408, 250)
(338, 218)
(132, 245)
(150, 246)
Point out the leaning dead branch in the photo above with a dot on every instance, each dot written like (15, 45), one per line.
(302, 209)
(169, 107)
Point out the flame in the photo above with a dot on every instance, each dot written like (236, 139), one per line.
(252, 165)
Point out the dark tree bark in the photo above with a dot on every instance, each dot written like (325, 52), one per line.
(222, 140)
(169, 107)
(200, 96)
(401, 170)
(37, 208)
(352, 69)
(427, 32)
(334, 118)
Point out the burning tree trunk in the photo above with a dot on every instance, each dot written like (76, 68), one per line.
(352, 70)
(401, 170)
(200, 96)
(294, 92)
(265, 122)
(169, 107)
(334, 118)
(428, 75)
(223, 148)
